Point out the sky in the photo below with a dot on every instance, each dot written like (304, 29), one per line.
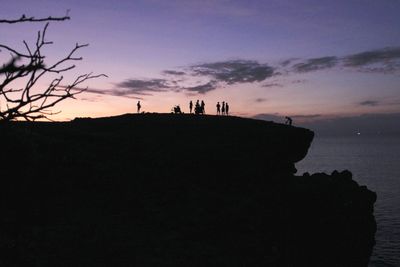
(308, 59)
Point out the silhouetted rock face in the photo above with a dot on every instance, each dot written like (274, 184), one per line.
(175, 190)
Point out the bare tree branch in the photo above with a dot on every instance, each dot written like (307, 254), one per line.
(23, 18)
(29, 102)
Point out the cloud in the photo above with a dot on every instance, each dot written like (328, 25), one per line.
(306, 117)
(314, 64)
(272, 85)
(212, 76)
(89, 99)
(231, 72)
(145, 87)
(288, 62)
(173, 72)
(234, 71)
(299, 81)
(112, 92)
(260, 100)
(371, 103)
(386, 60)
(385, 55)
(202, 89)
(310, 116)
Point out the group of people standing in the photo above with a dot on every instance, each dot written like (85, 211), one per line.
(199, 108)
(224, 109)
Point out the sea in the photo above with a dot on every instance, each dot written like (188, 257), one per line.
(374, 162)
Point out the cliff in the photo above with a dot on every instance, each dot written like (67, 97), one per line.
(175, 190)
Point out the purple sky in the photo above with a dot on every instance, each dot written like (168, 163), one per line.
(317, 59)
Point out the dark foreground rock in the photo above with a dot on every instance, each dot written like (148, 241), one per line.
(163, 190)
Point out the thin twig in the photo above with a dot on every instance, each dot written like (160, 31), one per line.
(33, 19)
(23, 103)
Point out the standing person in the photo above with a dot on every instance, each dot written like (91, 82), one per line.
(223, 108)
(138, 106)
(227, 108)
(190, 106)
(203, 107)
(197, 108)
(218, 109)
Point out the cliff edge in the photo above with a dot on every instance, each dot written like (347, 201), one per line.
(175, 190)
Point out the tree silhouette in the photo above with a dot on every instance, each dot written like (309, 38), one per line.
(29, 102)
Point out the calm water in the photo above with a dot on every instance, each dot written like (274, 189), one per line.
(374, 162)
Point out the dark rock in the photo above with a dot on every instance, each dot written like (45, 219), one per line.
(166, 190)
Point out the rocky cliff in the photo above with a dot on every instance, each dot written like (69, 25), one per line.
(175, 190)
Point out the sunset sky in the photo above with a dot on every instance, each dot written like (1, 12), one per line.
(310, 59)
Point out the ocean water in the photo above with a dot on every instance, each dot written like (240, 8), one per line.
(374, 162)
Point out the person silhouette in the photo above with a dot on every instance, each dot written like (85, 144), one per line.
(288, 121)
(223, 108)
(218, 109)
(197, 107)
(138, 106)
(177, 109)
(190, 106)
(203, 107)
(226, 108)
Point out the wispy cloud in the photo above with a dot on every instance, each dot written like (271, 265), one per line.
(385, 55)
(214, 75)
(89, 99)
(314, 64)
(371, 103)
(112, 92)
(308, 116)
(298, 81)
(145, 87)
(211, 76)
(386, 60)
(173, 72)
(272, 85)
(260, 100)
(202, 89)
(234, 71)
(287, 62)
